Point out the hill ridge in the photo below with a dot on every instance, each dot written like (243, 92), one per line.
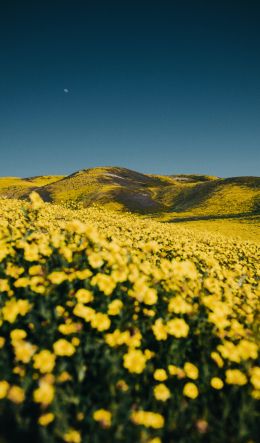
(120, 188)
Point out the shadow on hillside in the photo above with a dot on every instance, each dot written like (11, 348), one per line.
(248, 215)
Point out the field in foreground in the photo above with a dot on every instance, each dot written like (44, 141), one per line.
(121, 329)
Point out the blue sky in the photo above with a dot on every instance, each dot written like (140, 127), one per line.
(156, 86)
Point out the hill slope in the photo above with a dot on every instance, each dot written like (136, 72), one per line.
(15, 187)
(181, 197)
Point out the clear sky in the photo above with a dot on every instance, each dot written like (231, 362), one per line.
(156, 86)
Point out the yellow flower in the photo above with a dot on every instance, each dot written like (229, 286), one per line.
(84, 312)
(44, 394)
(44, 361)
(104, 282)
(103, 416)
(160, 375)
(23, 350)
(116, 338)
(63, 347)
(35, 270)
(19, 370)
(46, 419)
(72, 436)
(36, 201)
(191, 371)
(247, 350)
(69, 328)
(174, 370)
(23, 307)
(16, 394)
(177, 327)
(57, 277)
(82, 275)
(75, 341)
(60, 310)
(150, 296)
(179, 306)
(100, 321)
(4, 285)
(148, 419)
(256, 394)
(84, 296)
(14, 271)
(2, 342)
(115, 307)
(216, 383)
(122, 386)
(22, 282)
(185, 269)
(17, 334)
(63, 377)
(149, 312)
(190, 390)
(13, 308)
(95, 260)
(31, 252)
(134, 361)
(67, 253)
(148, 354)
(4, 386)
(235, 377)
(161, 392)
(160, 330)
(229, 351)
(217, 359)
(76, 226)
(134, 339)
(255, 377)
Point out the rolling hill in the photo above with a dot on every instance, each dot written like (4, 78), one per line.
(16, 187)
(172, 198)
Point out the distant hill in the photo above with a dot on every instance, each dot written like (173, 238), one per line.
(15, 187)
(174, 196)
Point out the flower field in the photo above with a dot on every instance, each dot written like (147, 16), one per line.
(115, 328)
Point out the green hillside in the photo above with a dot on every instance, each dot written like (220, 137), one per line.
(172, 198)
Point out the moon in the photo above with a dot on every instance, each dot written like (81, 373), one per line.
(66, 90)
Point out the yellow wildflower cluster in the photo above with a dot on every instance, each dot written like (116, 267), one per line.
(125, 328)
